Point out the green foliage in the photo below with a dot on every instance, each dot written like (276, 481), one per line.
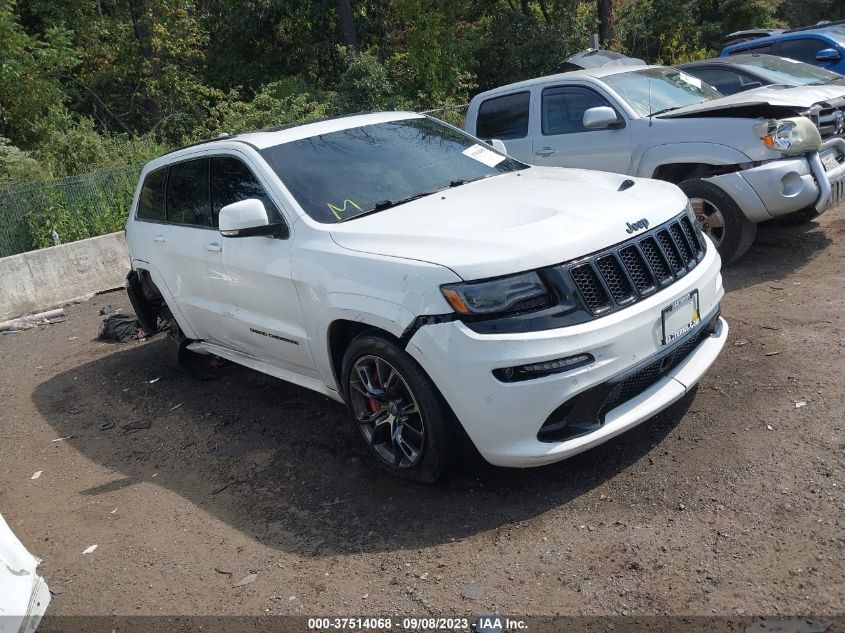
(277, 103)
(516, 46)
(79, 207)
(364, 84)
(29, 74)
(674, 31)
(71, 145)
(88, 86)
(439, 47)
(17, 165)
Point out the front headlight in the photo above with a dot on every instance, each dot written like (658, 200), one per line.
(795, 135)
(507, 294)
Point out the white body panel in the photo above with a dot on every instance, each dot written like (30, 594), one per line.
(24, 595)
(269, 303)
(503, 419)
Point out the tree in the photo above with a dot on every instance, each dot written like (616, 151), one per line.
(605, 20)
(347, 24)
(29, 75)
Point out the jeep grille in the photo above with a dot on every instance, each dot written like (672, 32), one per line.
(622, 275)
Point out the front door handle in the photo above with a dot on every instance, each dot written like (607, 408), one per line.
(545, 151)
(214, 247)
(159, 238)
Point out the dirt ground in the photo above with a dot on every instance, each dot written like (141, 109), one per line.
(729, 503)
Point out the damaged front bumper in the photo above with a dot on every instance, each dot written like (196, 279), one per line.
(784, 186)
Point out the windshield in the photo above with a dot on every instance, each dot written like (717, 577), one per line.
(654, 90)
(780, 70)
(341, 175)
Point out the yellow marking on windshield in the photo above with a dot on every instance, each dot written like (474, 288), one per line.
(338, 210)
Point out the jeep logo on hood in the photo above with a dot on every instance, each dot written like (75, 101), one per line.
(636, 226)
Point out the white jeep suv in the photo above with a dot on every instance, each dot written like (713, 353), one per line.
(402, 266)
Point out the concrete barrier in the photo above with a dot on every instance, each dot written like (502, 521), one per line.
(51, 277)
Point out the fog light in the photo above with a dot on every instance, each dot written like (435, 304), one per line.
(536, 370)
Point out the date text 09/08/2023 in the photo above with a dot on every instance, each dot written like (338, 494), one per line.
(481, 624)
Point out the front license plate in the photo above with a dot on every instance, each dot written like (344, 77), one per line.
(830, 161)
(680, 317)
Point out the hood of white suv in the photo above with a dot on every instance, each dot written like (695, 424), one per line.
(515, 222)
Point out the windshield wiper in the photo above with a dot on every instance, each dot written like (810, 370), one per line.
(381, 205)
(387, 204)
(664, 110)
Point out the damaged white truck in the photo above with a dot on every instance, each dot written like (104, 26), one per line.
(744, 159)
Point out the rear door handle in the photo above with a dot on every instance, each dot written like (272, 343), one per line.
(159, 238)
(545, 151)
(214, 247)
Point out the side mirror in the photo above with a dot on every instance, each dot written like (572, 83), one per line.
(247, 218)
(828, 55)
(499, 145)
(601, 118)
(751, 85)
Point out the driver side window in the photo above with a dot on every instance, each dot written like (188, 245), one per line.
(232, 181)
(564, 107)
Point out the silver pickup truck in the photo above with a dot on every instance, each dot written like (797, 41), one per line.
(761, 154)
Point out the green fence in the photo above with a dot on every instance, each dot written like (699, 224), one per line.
(76, 207)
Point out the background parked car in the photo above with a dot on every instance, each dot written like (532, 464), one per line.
(596, 58)
(736, 161)
(820, 45)
(730, 75)
(748, 34)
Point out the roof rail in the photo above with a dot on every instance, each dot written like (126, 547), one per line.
(221, 137)
(273, 128)
(818, 25)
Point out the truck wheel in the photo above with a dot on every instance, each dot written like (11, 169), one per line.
(720, 218)
(404, 420)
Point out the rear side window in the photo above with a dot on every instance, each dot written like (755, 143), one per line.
(504, 117)
(187, 193)
(727, 82)
(151, 200)
(804, 49)
(232, 181)
(564, 108)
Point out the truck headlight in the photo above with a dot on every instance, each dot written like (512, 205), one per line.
(506, 294)
(796, 135)
(696, 226)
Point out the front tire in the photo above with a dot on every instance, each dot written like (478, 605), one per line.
(720, 218)
(405, 422)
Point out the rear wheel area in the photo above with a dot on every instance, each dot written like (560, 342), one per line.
(720, 218)
(405, 422)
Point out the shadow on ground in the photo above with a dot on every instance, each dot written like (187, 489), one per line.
(284, 466)
(778, 250)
